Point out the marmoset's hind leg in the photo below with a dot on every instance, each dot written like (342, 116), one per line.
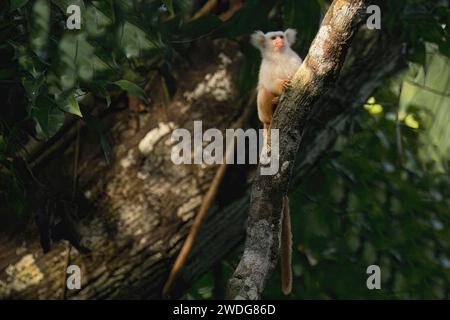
(265, 110)
(265, 105)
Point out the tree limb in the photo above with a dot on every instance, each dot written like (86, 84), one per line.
(317, 74)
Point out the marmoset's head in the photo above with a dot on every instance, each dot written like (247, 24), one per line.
(273, 41)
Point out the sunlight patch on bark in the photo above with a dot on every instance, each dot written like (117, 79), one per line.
(23, 274)
(147, 144)
(218, 84)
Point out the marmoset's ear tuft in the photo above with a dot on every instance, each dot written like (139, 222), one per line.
(290, 35)
(258, 39)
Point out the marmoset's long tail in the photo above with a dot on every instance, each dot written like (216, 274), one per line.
(286, 248)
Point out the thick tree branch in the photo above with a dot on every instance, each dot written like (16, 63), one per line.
(317, 74)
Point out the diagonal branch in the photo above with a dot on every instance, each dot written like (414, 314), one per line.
(315, 77)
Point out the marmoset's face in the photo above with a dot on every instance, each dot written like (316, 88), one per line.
(277, 41)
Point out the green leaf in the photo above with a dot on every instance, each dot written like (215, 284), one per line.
(32, 87)
(96, 125)
(16, 4)
(40, 28)
(48, 117)
(78, 60)
(135, 41)
(169, 6)
(132, 88)
(106, 147)
(27, 60)
(98, 87)
(70, 105)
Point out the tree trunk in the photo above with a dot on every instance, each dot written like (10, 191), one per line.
(140, 206)
(315, 77)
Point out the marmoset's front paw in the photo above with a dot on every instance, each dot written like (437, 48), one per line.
(286, 84)
(275, 100)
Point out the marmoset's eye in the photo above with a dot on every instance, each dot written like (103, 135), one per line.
(281, 37)
(273, 38)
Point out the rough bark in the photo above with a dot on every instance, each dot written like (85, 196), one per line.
(314, 78)
(140, 207)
